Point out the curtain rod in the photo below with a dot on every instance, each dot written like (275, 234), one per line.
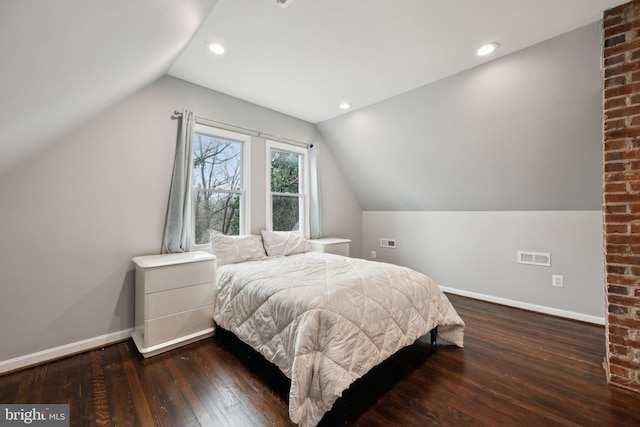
(202, 120)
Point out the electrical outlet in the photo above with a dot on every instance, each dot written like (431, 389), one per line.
(557, 280)
(373, 254)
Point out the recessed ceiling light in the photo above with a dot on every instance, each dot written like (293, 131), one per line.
(344, 105)
(217, 48)
(486, 49)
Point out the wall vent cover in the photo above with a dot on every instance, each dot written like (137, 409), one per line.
(388, 243)
(534, 258)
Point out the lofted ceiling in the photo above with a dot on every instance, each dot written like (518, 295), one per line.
(64, 61)
(307, 58)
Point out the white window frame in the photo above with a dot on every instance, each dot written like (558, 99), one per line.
(245, 192)
(304, 183)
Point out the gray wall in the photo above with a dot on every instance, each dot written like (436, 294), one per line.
(522, 132)
(75, 215)
(475, 254)
(503, 157)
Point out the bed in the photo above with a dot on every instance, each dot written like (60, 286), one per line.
(325, 320)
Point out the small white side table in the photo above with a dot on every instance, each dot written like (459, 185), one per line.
(174, 300)
(331, 245)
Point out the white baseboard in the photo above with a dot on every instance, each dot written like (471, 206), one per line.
(526, 306)
(63, 350)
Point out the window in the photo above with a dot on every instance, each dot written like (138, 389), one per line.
(287, 188)
(220, 183)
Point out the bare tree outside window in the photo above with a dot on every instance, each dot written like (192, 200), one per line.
(217, 180)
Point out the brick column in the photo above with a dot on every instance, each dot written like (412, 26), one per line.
(621, 192)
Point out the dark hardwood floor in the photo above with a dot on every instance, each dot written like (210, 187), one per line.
(517, 368)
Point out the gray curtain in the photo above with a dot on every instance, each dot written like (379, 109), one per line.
(177, 236)
(315, 220)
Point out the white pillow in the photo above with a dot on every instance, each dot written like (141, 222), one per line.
(278, 243)
(233, 249)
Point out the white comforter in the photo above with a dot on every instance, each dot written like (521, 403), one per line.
(326, 320)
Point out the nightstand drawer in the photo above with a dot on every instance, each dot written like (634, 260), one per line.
(175, 297)
(331, 245)
(175, 276)
(167, 328)
(173, 301)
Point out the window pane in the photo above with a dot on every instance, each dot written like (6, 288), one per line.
(285, 172)
(286, 213)
(215, 211)
(216, 163)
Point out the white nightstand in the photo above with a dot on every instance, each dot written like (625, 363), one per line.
(174, 300)
(331, 245)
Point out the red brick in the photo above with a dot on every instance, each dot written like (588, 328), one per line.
(625, 363)
(625, 47)
(617, 29)
(618, 309)
(614, 60)
(615, 167)
(623, 239)
(621, 280)
(622, 382)
(623, 133)
(622, 301)
(617, 339)
(615, 144)
(615, 124)
(621, 190)
(624, 90)
(618, 290)
(624, 321)
(619, 371)
(617, 269)
(619, 80)
(622, 112)
(633, 344)
(616, 249)
(613, 187)
(613, 17)
(616, 228)
(622, 176)
(622, 69)
(615, 40)
(623, 259)
(620, 331)
(615, 103)
(621, 350)
(612, 208)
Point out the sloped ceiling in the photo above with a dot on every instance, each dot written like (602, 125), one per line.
(305, 59)
(64, 61)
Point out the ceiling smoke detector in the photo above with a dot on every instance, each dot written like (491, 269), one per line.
(283, 3)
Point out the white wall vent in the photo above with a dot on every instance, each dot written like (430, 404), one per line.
(388, 243)
(534, 258)
(283, 3)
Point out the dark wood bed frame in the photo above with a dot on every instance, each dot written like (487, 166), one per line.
(434, 335)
